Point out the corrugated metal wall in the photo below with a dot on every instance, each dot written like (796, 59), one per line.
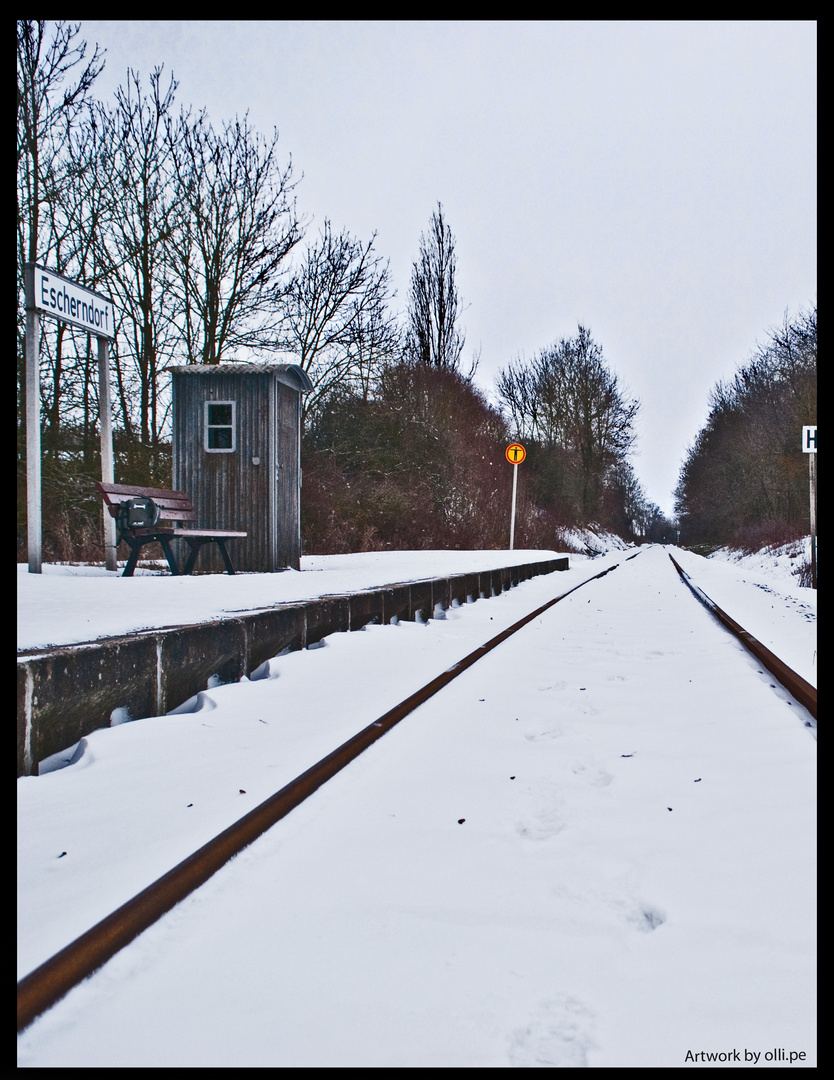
(289, 476)
(256, 487)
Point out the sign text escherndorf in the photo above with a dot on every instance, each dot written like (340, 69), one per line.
(51, 294)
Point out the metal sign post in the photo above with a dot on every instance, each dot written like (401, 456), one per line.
(58, 297)
(809, 447)
(515, 454)
(108, 474)
(33, 440)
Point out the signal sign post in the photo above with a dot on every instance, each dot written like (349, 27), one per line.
(515, 454)
(809, 447)
(59, 298)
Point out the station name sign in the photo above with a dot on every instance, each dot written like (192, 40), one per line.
(51, 294)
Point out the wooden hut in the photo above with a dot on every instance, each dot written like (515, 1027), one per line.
(236, 452)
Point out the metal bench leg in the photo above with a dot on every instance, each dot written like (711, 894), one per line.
(169, 555)
(195, 546)
(222, 545)
(135, 547)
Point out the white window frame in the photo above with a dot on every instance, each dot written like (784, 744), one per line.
(215, 427)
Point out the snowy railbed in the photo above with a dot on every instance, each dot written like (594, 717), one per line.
(598, 850)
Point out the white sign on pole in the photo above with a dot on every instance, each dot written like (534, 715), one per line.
(809, 446)
(51, 294)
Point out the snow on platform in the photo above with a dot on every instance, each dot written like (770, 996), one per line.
(67, 604)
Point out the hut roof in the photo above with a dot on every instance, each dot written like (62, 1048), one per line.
(292, 373)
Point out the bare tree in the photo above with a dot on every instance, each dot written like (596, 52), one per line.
(517, 390)
(335, 319)
(235, 228)
(68, 376)
(568, 400)
(88, 204)
(433, 336)
(45, 114)
(743, 480)
(53, 84)
(374, 343)
(133, 243)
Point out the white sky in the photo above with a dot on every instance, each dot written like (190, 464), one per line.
(655, 181)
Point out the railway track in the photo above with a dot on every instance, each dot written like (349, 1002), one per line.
(798, 687)
(48, 983)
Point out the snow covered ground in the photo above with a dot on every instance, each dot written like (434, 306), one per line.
(777, 563)
(66, 604)
(595, 849)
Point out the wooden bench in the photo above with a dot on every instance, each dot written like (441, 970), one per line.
(173, 506)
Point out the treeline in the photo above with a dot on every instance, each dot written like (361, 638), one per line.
(569, 406)
(744, 481)
(189, 229)
(194, 231)
(420, 463)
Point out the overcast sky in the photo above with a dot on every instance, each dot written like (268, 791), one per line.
(654, 181)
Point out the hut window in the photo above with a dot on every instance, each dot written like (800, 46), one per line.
(220, 427)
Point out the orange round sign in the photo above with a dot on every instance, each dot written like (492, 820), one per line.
(515, 453)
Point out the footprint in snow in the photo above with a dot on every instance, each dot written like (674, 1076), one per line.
(546, 820)
(557, 1035)
(646, 917)
(592, 773)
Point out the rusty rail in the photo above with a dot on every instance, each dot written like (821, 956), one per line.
(53, 979)
(49, 982)
(798, 687)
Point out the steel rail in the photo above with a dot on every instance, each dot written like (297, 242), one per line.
(798, 687)
(53, 979)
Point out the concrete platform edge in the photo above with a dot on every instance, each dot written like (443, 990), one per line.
(67, 692)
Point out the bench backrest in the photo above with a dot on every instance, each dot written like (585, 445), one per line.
(173, 505)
